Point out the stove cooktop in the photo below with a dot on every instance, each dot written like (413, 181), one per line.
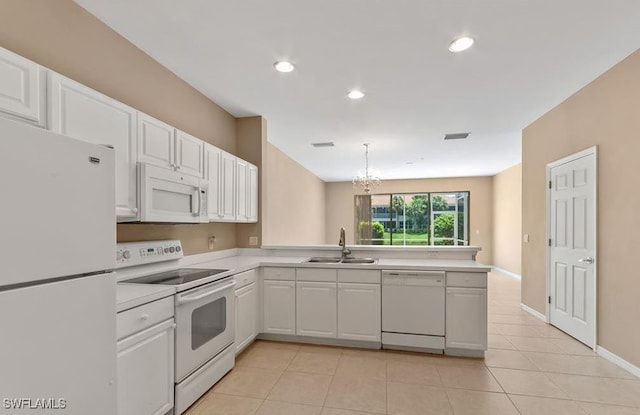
(177, 277)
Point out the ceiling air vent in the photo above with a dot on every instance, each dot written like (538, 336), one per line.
(457, 136)
(325, 144)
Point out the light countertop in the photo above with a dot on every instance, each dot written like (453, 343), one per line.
(133, 295)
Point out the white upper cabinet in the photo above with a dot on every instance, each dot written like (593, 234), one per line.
(241, 191)
(252, 192)
(189, 154)
(246, 192)
(22, 89)
(228, 187)
(162, 145)
(213, 162)
(156, 142)
(82, 113)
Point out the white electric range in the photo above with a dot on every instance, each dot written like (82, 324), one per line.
(204, 315)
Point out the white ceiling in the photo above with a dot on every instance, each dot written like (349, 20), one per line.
(529, 56)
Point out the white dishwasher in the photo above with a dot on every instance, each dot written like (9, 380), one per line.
(413, 309)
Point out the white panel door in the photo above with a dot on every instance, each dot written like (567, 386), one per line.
(246, 315)
(213, 160)
(316, 309)
(146, 371)
(572, 250)
(359, 312)
(466, 318)
(241, 191)
(84, 114)
(189, 154)
(22, 88)
(228, 182)
(279, 301)
(156, 142)
(252, 194)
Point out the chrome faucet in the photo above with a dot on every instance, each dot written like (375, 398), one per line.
(342, 242)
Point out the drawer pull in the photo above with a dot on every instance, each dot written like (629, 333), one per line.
(144, 317)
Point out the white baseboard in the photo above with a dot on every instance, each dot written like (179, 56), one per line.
(533, 312)
(617, 360)
(509, 273)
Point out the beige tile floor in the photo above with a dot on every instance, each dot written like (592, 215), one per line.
(530, 368)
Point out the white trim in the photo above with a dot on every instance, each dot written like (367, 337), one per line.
(617, 360)
(533, 312)
(505, 272)
(580, 154)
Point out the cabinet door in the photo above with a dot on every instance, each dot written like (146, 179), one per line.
(466, 318)
(241, 190)
(22, 88)
(145, 371)
(246, 308)
(252, 192)
(228, 181)
(213, 157)
(359, 312)
(156, 142)
(316, 309)
(189, 154)
(82, 113)
(279, 307)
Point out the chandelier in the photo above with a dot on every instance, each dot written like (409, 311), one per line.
(367, 180)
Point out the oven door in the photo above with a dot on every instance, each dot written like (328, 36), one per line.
(169, 196)
(205, 326)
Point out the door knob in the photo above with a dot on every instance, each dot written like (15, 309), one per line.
(587, 260)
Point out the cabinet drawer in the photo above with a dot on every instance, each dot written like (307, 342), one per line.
(139, 318)
(245, 278)
(275, 273)
(467, 279)
(365, 276)
(316, 274)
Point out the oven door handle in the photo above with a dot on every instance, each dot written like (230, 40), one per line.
(189, 298)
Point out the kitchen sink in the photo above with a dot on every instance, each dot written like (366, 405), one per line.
(358, 261)
(324, 260)
(337, 260)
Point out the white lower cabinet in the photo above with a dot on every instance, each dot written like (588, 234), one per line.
(246, 316)
(145, 371)
(359, 312)
(279, 307)
(466, 318)
(316, 309)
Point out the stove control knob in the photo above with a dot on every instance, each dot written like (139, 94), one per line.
(178, 249)
(126, 254)
(118, 256)
(166, 250)
(172, 249)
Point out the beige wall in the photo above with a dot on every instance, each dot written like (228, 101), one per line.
(252, 146)
(605, 113)
(64, 37)
(294, 211)
(340, 206)
(507, 219)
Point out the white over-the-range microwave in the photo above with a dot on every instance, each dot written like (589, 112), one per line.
(165, 195)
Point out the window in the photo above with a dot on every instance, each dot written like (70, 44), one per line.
(413, 219)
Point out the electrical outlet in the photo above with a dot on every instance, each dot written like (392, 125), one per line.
(253, 241)
(212, 243)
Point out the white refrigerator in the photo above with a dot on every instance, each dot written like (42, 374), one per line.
(57, 292)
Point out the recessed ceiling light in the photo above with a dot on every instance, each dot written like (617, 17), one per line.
(460, 44)
(355, 94)
(284, 66)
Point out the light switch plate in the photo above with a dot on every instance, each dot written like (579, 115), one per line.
(212, 243)
(253, 241)
(525, 238)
